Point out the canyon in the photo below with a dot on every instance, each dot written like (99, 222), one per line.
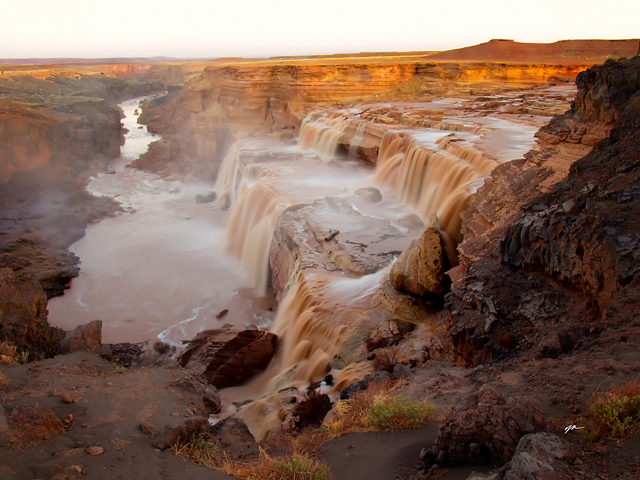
(470, 212)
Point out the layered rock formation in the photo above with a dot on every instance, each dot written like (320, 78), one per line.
(581, 232)
(61, 119)
(247, 97)
(227, 357)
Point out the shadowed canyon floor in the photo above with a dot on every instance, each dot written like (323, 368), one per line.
(315, 196)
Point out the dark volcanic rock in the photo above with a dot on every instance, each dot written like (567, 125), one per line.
(210, 397)
(233, 435)
(363, 384)
(208, 198)
(227, 357)
(23, 316)
(537, 454)
(484, 428)
(584, 232)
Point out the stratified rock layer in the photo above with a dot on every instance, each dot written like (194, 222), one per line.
(569, 255)
(228, 358)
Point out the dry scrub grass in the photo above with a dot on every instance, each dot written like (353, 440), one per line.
(289, 467)
(9, 354)
(614, 414)
(377, 408)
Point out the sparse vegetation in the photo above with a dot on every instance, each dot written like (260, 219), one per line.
(614, 414)
(3, 381)
(385, 359)
(121, 369)
(296, 466)
(376, 408)
(9, 354)
(392, 413)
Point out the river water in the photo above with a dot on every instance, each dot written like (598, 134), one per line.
(160, 268)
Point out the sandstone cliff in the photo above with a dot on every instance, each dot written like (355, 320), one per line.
(248, 98)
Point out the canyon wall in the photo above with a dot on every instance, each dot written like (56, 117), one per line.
(64, 120)
(200, 123)
(549, 260)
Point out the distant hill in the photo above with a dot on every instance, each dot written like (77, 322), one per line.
(564, 51)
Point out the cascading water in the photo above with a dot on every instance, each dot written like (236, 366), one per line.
(250, 230)
(312, 326)
(432, 181)
(323, 136)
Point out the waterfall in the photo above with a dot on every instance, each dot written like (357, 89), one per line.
(432, 181)
(322, 136)
(358, 139)
(250, 231)
(312, 329)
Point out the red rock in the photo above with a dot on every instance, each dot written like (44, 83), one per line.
(228, 357)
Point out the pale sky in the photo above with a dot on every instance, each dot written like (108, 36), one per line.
(214, 28)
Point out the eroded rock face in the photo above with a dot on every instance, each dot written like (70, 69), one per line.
(584, 231)
(85, 337)
(420, 268)
(538, 455)
(228, 357)
(484, 428)
(23, 315)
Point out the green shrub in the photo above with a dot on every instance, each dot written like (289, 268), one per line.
(618, 416)
(389, 413)
(298, 468)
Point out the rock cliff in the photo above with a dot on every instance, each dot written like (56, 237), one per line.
(548, 265)
(199, 124)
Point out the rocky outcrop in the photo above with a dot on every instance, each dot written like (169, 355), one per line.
(538, 455)
(579, 237)
(484, 428)
(64, 119)
(420, 268)
(228, 357)
(85, 337)
(331, 234)
(584, 232)
(23, 316)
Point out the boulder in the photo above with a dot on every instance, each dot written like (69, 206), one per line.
(420, 268)
(364, 384)
(370, 194)
(484, 428)
(209, 393)
(539, 455)
(208, 198)
(412, 222)
(182, 433)
(85, 337)
(23, 315)
(405, 307)
(233, 435)
(228, 358)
